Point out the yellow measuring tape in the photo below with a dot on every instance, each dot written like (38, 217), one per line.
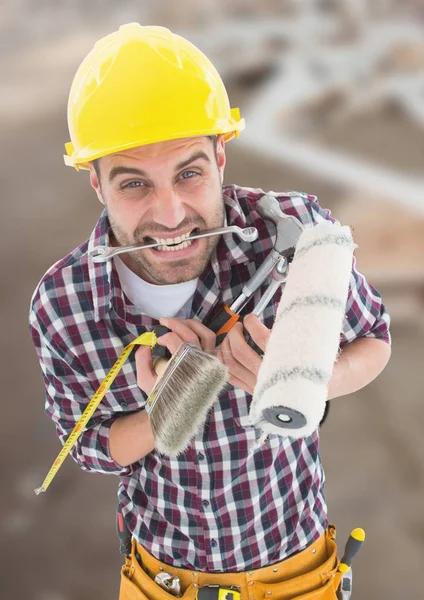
(146, 339)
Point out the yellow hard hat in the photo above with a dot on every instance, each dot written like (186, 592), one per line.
(141, 85)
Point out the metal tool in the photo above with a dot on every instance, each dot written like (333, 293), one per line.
(215, 592)
(148, 338)
(353, 545)
(288, 232)
(171, 584)
(104, 253)
(279, 276)
(123, 532)
(345, 590)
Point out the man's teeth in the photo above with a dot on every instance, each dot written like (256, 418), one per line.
(174, 248)
(176, 240)
(178, 243)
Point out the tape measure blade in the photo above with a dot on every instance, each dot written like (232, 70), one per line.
(148, 339)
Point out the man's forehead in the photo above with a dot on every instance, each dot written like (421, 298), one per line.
(164, 150)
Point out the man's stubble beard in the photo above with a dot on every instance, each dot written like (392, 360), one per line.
(178, 271)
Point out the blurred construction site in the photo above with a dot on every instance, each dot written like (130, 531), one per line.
(333, 96)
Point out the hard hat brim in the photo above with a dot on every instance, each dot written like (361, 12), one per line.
(82, 159)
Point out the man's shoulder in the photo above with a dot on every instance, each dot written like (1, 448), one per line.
(295, 203)
(251, 194)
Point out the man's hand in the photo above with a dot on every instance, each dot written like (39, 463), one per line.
(190, 331)
(242, 361)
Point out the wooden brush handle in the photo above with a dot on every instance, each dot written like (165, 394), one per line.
(160, 365)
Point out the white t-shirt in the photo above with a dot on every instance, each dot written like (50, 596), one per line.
(156, 301)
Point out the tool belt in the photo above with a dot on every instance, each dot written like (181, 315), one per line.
(309, 575)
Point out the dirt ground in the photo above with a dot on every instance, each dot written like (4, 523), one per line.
(62, 545)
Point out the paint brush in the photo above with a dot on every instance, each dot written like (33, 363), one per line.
(187, 386)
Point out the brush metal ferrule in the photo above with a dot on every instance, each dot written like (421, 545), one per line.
(162, 382)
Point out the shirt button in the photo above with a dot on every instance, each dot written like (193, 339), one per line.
(200, 457)
(205, 503)
(214, 543)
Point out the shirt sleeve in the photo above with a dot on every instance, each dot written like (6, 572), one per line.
(68, 392)
(366, 315)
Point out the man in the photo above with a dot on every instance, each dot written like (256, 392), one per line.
(149, 117)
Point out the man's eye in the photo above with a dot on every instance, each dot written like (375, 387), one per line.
(188, 174)
(132, 184)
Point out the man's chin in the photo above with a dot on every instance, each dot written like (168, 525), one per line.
(178, 271)
(171, 267)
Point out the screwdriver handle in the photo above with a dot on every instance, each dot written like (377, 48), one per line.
(222, 323)
(353, 545)
(123, 532)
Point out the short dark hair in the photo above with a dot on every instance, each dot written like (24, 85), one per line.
(97, 167)
(96, 164)
(214, 141)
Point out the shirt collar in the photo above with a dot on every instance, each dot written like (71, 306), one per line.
(229, 252)
(230, 249)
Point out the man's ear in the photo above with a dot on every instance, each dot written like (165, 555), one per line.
(95, 183)
(220, 155)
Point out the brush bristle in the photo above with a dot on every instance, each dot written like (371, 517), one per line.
(183, 405)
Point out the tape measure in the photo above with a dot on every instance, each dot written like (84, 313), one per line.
(146, 339)
(215, 592)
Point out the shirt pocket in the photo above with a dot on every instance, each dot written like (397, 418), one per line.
(124, 394)
(125, 398)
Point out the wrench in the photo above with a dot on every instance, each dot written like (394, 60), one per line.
(104, 253)
(288, 230)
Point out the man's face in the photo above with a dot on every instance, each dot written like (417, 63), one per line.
(164, 191)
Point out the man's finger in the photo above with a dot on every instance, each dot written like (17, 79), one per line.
(206, 336)
(146, 375)
(172, 341)
(241, 350)
(239, 375)
(185, 334)
(240, 367)
(257, 330)
(241, 385)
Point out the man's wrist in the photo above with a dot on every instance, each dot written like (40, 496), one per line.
(131, 438)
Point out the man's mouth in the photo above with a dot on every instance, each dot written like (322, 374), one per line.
(173, 244)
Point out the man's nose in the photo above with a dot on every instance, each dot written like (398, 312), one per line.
(168, 209)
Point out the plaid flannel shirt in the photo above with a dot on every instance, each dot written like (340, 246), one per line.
(231, 502)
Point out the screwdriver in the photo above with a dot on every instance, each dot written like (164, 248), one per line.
(289, 230)
(123, 532)
(229, 315)
(353, 545)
